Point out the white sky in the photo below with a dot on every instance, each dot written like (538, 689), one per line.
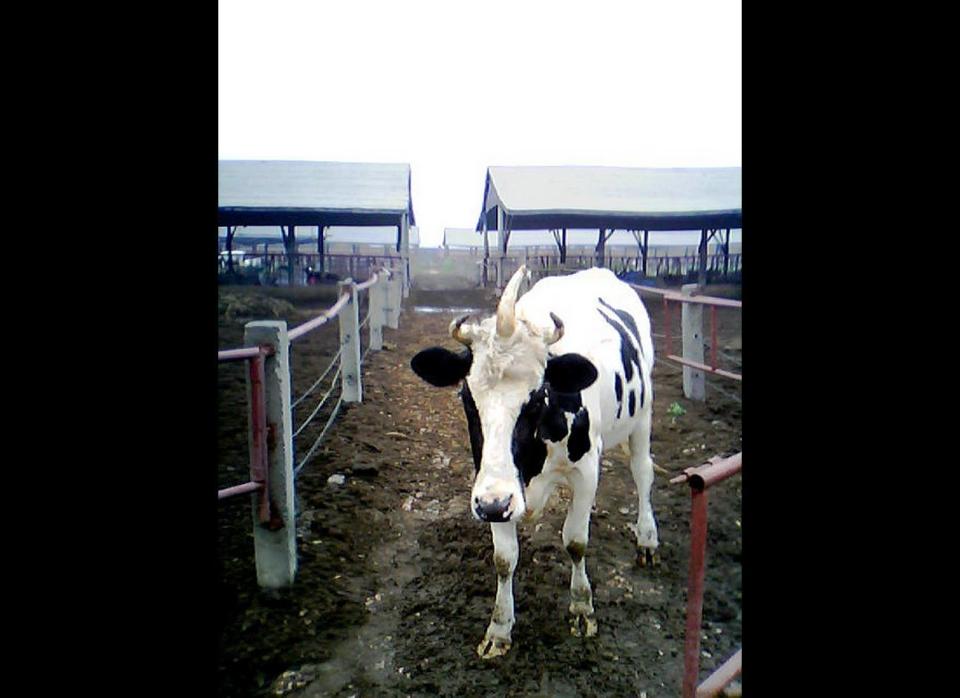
(452, 87)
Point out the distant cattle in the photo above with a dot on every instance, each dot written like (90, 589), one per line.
(315, 277)
(549, 383)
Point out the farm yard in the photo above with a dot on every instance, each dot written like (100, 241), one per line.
(396, 579)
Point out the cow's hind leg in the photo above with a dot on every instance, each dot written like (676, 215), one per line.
(506, 551)
(576, 535)
(641, 465)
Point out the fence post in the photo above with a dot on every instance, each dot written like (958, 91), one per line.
(691, 321)
(352, 390)
(393, 300)
(275, 543)
(377, 309)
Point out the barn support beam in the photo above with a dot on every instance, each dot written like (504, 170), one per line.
(691, 323)
(275, 542)
(502, 244)
(290, 246)
(702, 273)
(321, 264)
(645, 249)
(230, 231)
(484, 277)
(726, 255)
(405, 254)
(350, 377)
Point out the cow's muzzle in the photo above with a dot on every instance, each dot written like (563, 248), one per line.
(493, 510)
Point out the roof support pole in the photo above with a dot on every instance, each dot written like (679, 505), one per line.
(486, 255)
(321, 266)
(404, 249)
(230, 231)
(501, 226)
(702, 274)
(563, 248)
(290, 244)
(726, 255)
(601, 248)
(646, 248)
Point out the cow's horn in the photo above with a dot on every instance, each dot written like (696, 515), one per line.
(506, 317)
(558, 332)
(458, 334)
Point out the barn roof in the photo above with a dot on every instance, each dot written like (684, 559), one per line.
(542, 198)
(275, 192)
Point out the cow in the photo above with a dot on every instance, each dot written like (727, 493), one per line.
(549, 383)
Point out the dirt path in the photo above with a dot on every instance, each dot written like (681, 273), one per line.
(396, 580)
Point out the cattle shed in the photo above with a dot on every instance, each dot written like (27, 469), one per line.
(608, 199)
(289, 194)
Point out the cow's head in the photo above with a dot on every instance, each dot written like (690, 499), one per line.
(514, 394)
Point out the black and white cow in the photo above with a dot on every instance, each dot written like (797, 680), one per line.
(549, 383)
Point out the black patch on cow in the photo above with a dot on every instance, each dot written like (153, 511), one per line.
(568, 402)
(570, 373)
(618, 389)
(633, 401)
(442, 367)
(627, 320)
(579, 441)
(628, 353)
(553, 423)
(529, 452)
(473, 424)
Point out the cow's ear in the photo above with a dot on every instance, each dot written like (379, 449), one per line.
(442, 367)
(570, 373)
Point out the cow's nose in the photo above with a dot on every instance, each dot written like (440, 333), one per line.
(493, 510)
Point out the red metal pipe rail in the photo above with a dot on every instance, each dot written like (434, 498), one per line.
(701, 478)
(330, 312)
(321, 319)
(256, 356)
(713, 303)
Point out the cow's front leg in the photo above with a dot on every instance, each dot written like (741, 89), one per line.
(576, 535)
(506, 552)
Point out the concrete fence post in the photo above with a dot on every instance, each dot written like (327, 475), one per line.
(275, 550)
(691, 322)
(352, 390)
(394, 298)
(377, 309)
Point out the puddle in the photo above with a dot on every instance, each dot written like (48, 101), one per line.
(434, 309)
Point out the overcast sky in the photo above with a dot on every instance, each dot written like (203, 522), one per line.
(452, 87)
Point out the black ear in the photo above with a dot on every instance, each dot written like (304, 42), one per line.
(570, 373)
(441, 367)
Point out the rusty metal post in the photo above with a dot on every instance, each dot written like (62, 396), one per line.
(258, 433)
(698, 553)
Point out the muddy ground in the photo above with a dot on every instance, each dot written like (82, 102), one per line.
(396, 580)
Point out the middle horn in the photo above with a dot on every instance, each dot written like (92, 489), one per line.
(506, 317)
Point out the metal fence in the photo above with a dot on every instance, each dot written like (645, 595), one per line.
(272, 408)
(700, 479)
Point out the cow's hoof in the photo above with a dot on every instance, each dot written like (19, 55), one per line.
(583, 626)
(648, 557)
(493, 647)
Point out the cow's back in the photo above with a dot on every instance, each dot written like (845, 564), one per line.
(588, 303)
